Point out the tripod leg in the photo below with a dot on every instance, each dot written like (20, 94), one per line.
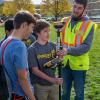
(59, 92)
(59, 73)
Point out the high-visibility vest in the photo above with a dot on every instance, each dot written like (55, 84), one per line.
(73, 38)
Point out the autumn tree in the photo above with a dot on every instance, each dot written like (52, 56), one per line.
(9, 8)
(55, 7)
(25, 5)
(1, 8)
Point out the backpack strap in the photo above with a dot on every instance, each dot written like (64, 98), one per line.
(3, 50)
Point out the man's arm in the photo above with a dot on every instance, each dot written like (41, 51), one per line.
(23, 81)
(85, 47)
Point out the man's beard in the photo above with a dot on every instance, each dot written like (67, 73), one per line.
(78, 17)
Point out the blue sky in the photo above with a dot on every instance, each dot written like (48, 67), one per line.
(37, 1)
(34, 1)
(1, 1)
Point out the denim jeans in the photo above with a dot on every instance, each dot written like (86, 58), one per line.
(78, 77)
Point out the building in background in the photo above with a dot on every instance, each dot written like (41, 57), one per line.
(37, 8)
(93, 8)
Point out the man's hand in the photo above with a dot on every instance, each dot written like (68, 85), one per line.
(62, 53)
(57, 81)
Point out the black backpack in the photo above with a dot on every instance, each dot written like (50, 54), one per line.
(4, 92)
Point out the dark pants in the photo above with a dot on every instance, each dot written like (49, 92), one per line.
(16, 97)
(78, 77)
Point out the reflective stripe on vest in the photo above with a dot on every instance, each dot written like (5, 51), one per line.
(79, 38)
(65, 43)
(64, 31)
(76, 37)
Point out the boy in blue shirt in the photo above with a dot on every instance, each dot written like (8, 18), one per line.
(13, 55)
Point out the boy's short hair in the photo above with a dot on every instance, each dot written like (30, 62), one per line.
(21, 17)
(40, 25)
(9, 25)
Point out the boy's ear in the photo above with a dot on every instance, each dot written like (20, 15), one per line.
(38, 33)
(24, 25)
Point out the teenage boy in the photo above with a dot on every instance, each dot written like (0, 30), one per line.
(37, 17)
(32, 38)
(4, 93)
(13, 55)
(42, 51)
(8, 28)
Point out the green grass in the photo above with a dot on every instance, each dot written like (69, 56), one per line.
(92, 87)
(53, 34)
(93, 75)
(2, 35)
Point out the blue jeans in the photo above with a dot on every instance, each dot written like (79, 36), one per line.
(78, 77)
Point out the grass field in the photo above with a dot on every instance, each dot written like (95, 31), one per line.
(1, 33)
(92, 88)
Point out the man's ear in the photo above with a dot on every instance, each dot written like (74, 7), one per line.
(85, 8)
(84, 12)
(37, 34)
(11, 31)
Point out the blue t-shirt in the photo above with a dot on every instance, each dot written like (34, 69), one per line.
(15, 58)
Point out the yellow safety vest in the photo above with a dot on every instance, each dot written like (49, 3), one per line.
(73, 38)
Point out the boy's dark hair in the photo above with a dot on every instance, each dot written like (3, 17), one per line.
(9, 25)
(83, 2)
(21, 17)
(40, 25)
